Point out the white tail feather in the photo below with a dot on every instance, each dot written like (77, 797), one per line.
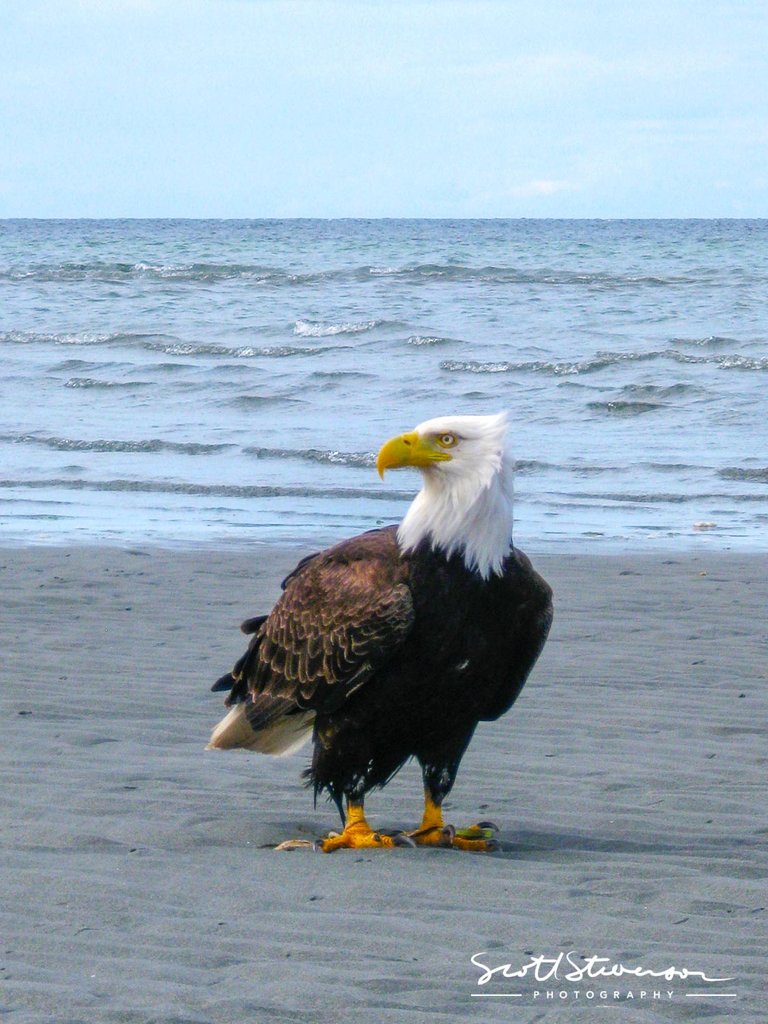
(282, 735)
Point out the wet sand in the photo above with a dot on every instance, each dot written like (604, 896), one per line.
(137, 880)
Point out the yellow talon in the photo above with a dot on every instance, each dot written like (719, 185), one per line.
(434, 832)
(357, 834)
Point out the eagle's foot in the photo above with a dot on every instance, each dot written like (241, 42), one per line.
(479, 838)
(359, 835)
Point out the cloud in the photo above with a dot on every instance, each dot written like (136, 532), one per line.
(570, 66)
(542, 187)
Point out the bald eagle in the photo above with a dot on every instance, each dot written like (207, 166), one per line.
(396, 643)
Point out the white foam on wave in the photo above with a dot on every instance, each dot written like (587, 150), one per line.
(33, 337)
(316, 329)
(422, 339)
(94, 382)
(223, 351)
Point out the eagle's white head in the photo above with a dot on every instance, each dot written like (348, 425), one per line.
(465, 504)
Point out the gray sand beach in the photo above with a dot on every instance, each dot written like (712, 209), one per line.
(138, 882)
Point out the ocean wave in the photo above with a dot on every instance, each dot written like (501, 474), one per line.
(110, 272)
(534, 466)
(580, 470)
(91, 366)
(759, 476)
(422, 339)
(120, 271)
(741, 363)
(710, 341)
(601, 361)
(490, 274)
(36, 338)
(659, 390)
(229, 352)
(336, 458)
(342, 375)
(69, 444)
(256, 401)
(92, 382)
(261, 274)
(724, 362)
(665, 498)
(205, 490)
(317, 329)
(619, 408)
(86, 338)
(674, 467)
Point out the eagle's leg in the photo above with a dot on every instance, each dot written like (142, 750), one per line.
(358, 834)
(433, 831)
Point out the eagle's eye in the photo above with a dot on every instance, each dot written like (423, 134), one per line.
(447, 440)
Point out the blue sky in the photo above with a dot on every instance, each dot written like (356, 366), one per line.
(399, 108)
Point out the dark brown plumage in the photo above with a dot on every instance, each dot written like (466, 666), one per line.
(396, 655)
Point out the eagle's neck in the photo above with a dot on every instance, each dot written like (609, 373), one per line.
(470, 516)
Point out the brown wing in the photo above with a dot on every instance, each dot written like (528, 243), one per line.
(342, 615)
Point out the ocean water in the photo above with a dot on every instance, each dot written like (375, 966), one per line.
(208, 382)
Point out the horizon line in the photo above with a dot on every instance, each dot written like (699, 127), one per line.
(167, 217)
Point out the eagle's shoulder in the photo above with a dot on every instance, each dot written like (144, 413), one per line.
(520, 575)
(375, 549)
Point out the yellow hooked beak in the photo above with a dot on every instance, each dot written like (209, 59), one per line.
(409, 450)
